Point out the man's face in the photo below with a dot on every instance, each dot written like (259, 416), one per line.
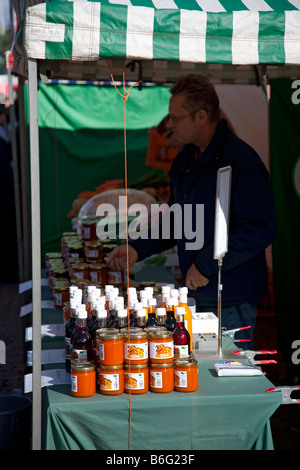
(182, 123)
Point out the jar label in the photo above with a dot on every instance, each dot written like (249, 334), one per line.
(156, 379)
(161, 350)
(92, 253)
(181, 350)
(86, 232)
(109, 382)
(79, 354)
(134, 381)
(180, 378)
(78, 275)
(114, 277)
(136, 351)
(58, 298)
(74, 387)
(101, 351)
(94, 276)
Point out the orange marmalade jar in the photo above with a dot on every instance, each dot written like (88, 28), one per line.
(111, 348)
(136, 347)
(161, 347)
(136, 379)
(83, 379)
(111, 380)
(186, 375)
(162, 377)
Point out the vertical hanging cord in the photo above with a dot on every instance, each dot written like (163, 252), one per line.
(127, 256)
(125, 98)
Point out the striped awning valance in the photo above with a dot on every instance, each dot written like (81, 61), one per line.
(199, 31)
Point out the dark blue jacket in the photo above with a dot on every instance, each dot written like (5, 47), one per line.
(252, 225)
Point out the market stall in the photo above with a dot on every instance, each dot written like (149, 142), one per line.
(66, 38)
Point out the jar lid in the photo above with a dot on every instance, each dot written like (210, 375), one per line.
(185, 362)
(135, 334)
(161, 334)
(97, 265)
(111, 367)
(100, 331)
(89, 221)
(80, 366)
(80, 266)
(136, 366)
(166, 364)
(93, 243)
(110, 335)
(152, 329)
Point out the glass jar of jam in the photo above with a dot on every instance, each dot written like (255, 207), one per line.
(186, 375)
(162, 377)
(60, 294)
(74, 249)
(80, 271)
(111, 380)
(111, 348)
(98, 273)
(161, 347)
(136, 347)
(136, 379)
(89, 230)
(83, 379)
(93, 250)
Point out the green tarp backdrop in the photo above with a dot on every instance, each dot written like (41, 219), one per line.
(285, 176)
(81, 132)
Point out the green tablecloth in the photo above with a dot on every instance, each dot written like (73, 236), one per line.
(225, 413)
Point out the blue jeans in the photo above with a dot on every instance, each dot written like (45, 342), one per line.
(235, 317)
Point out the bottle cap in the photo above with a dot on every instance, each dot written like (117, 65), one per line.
(161, 311)
(122, 312)
(180, 311)
(101, 313)
(183, 290)
(141, 312)
(81, 311)
(151, 301)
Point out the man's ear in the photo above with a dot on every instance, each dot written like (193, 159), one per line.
(202, 116)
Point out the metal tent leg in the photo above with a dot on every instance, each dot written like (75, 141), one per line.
(36, 254)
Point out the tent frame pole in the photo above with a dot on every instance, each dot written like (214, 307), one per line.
(36, 254)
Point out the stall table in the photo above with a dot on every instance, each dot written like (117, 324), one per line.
(226, 413)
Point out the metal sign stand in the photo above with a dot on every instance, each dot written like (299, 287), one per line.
(221, 235)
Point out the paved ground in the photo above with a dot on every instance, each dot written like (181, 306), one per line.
(285, 422)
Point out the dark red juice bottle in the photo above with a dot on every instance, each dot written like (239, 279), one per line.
(181, 335)
(69, 328)
(81, 341)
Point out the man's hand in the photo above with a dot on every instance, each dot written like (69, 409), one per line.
(195, 279)
(118, 257)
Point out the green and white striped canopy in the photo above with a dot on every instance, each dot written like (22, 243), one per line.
(236, 32)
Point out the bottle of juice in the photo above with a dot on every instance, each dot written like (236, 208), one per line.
(151, 320)
(101, 322)
(81, 341)
(181, 335)
(188, 314)
(69, 328)
(140, 316)
(170, 323)
(121, 319)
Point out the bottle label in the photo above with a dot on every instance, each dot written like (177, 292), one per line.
(181, 350)
(134, 381)
(161, 350)
(79, 354)
(68, 348)
(136, 351)
(180, 378)
(109, 382)
(74, 387)
(156, 379)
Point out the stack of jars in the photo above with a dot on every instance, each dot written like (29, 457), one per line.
(131, 358)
